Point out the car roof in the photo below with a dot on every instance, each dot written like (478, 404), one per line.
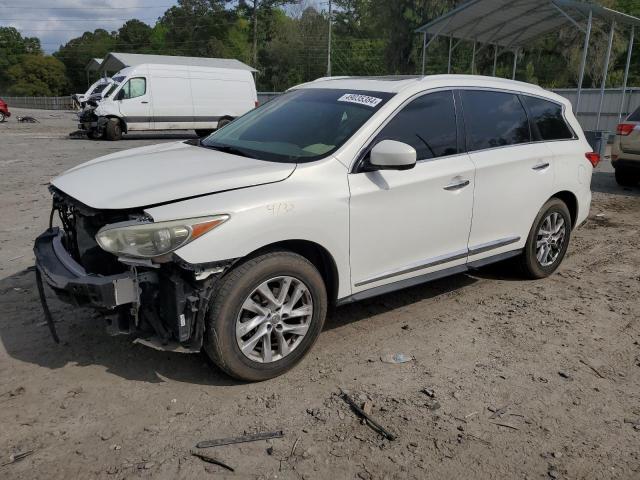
(415, 84)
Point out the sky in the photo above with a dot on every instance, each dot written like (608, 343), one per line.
(55, 22)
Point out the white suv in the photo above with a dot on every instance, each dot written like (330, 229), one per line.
(338, 190)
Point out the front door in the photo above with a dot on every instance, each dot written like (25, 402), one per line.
(134, 101)
(411, 223)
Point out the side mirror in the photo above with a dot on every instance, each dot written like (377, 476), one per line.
(392, 155)
(120, 95)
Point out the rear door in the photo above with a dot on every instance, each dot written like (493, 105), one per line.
(514, 174)
(410, 223)
(134, 102)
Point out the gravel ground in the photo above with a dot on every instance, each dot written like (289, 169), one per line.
(509, 378)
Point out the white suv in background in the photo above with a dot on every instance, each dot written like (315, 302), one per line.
(338, 190)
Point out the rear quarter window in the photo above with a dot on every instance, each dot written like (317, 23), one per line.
(547, 117)
(635, 116)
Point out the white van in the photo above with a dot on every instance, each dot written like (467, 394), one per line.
(171, 97)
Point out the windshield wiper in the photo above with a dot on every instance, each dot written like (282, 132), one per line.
(228, 149)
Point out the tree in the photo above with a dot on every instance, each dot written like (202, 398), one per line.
(37, 76)
(12, 47)
(134, 36)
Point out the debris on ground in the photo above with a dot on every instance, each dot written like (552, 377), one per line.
(594, 369)
(429, 392)
(372, 423)
(565, 375)
(16, 457)
(27, 119)
(210, 459)
(254, 437)
(78, 134)
(395, 358)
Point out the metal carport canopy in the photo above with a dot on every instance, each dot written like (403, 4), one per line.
(515, 23)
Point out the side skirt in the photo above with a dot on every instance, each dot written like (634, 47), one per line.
(429, 277)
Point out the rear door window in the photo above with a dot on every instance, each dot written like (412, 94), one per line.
(547, 117)
(494, 119)
(428, 124)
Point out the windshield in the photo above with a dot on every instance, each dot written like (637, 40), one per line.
(113, 86)
(299, 126)
(99, 88)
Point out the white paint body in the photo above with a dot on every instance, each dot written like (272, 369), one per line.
(373, 224)
(181, 97)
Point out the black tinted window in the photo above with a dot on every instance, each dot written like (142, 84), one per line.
(635, 116)
(547, 116)
(494, 119)
(428, 124)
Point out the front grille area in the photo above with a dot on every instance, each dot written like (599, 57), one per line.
(80, 224)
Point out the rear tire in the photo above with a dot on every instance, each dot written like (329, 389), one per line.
(229, 316)
(201, 132)
(548, 240)
(223, 122)
(113, 130)
(2, 117)
(626, 177)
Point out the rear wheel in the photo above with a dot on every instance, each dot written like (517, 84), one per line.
(223, 122)
(2, 117)
(265, 316)
(113, 130)
(201, 132)
(548, 240)
(625, 177)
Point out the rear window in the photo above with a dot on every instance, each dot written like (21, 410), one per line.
(547, 117)
(494, 119)
(635, 116)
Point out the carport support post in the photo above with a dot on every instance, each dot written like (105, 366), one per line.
(473, 59)
(424, 51)
(515, 63)
(626, 71)
(495, 59)
(450, 53)
(605, 73)
(583, 65)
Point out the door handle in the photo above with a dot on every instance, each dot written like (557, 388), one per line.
(457, 185)
(540, 166)
(144, 101)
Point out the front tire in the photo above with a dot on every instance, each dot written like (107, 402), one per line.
(265, 315)
(113, 130)
(548, 240)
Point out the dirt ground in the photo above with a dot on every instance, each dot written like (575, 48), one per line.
(523, 379)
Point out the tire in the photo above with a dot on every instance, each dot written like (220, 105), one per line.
(203, 132)
(113, 130)
(530, 264)
(626, 178)
(223, 122)
(2, 117)
(226, 314)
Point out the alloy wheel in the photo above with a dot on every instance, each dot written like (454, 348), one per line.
(550, 239)
(274, 319)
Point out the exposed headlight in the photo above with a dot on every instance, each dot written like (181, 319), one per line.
(148, 240)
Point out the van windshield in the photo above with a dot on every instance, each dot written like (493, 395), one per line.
(299, 126)
(112, 86)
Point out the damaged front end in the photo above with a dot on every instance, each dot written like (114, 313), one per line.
(162, 300)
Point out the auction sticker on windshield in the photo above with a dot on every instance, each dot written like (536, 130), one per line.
(360, 99)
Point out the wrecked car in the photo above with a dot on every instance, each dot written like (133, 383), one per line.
(337, 191)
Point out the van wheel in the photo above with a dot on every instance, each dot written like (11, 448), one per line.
(113, 130)
(223, 122)
(203, 132)
(265, 315)
(548, 240)
(625, 178)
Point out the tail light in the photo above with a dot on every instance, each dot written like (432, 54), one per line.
(593, 157)
(257, 103)
(625, 129)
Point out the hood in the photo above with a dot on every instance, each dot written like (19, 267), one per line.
(163, 173)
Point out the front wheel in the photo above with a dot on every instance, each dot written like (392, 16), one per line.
(113, 130)
(548, 240)
(265, 316)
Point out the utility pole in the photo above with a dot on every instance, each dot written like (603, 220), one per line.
(255, 34)
(329, 41)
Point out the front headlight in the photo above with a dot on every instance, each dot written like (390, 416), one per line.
(149, 240)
